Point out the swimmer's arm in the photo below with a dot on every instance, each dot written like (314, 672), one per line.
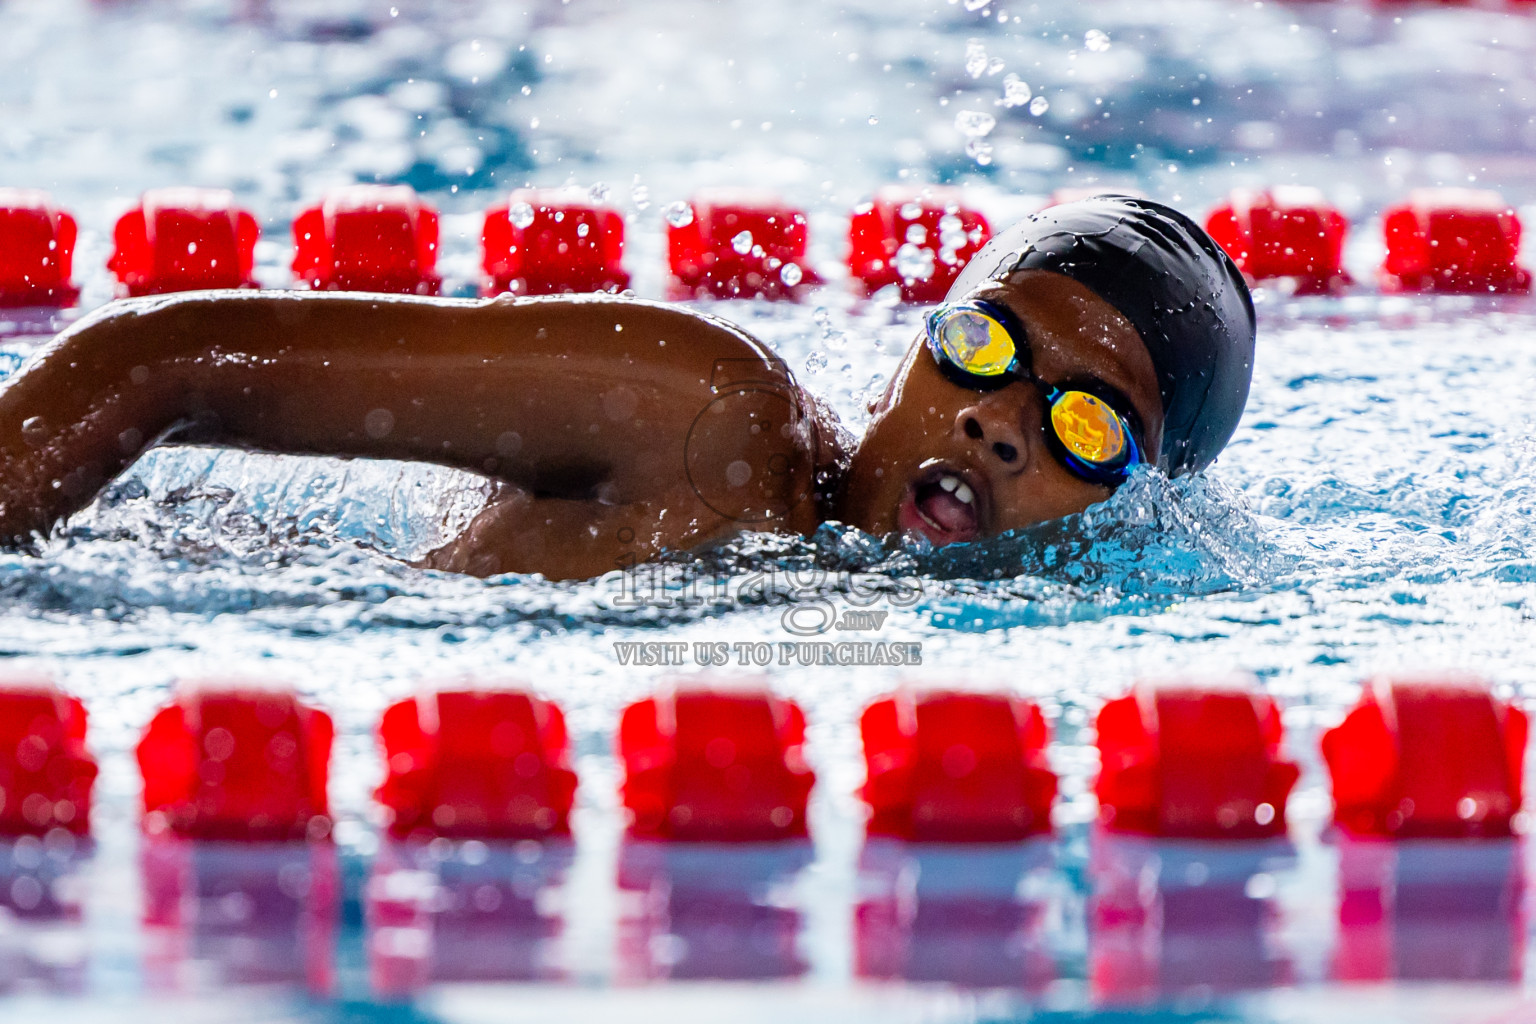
(584, 400)
(518, 532)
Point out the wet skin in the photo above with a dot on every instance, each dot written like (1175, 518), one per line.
(613, 428)
(925, 426)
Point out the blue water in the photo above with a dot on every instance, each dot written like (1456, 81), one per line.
(1373, 514)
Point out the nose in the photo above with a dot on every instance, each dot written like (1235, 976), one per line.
(996, 427)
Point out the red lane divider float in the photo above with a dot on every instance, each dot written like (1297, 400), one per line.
(918, 239)
(725, 243)
(377, 238)
(239, 914)
(1288, 231)
(1427, 758)
(549, 241)
(738, 244)
(1187, 761)
(477, 765)
(46, 773)
(1432, 910)
(1453, 240)
(37, 250)
(1176, 917)
(237, 762)
(184, 239)
(715, 767)
(953, 767)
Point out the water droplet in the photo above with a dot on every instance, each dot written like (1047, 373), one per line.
(742, 243)
(996, 66)
(873, 119)
(679, 214)
(1015, 91)
(815, 362)
(1096, 40)
(951, 232)
(522, 215)
(1039, 105)
(976, 5)
(916, 234)
(790, 274)
(914, 262)
(911, 211)
(979, 150)
(582, 230)
(975, 58)
(641, 196)
(974, 123)
(598, 193)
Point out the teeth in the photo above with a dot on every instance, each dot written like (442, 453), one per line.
(964, 493)
(949, 483)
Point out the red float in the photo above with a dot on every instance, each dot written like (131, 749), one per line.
(368, 238)
(1191, 761)
(1453, 240)
(734, 244)
(696, 913)
(482, 916)
(1289, 231)
(184, 239)
(955, 767)
(1427, 758)
(1429, 910)
(1169, 918)
(46, 773)
(547, 242)
(221, 915)
(477, 765)
(966, 916)
(37, 250)
(918, 239)
(715, 767)
(237, 762)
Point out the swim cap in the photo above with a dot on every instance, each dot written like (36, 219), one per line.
(1174, 284)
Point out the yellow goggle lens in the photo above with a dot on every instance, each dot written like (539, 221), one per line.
(975, 342)
(1088, 428)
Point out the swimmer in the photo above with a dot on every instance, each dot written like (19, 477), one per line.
(1090, 338)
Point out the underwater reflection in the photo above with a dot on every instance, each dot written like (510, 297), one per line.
(470, 911)
(710, 910)
(222, 913)
(42, 937)
(1430, 910)
(1182, 917)
(972, 915)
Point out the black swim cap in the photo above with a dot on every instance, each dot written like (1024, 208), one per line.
(1174, 284)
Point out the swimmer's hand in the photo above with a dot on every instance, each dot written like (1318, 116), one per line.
(488, 545)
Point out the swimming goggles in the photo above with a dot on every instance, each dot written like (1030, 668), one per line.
(981, 346)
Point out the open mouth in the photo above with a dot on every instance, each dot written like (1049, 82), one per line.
(944, 505)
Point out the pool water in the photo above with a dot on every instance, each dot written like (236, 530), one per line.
(1374, 514)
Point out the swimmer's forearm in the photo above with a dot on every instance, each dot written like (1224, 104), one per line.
(70, 420)
(562, 396)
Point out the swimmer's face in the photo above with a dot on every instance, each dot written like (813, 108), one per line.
(926, 428)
